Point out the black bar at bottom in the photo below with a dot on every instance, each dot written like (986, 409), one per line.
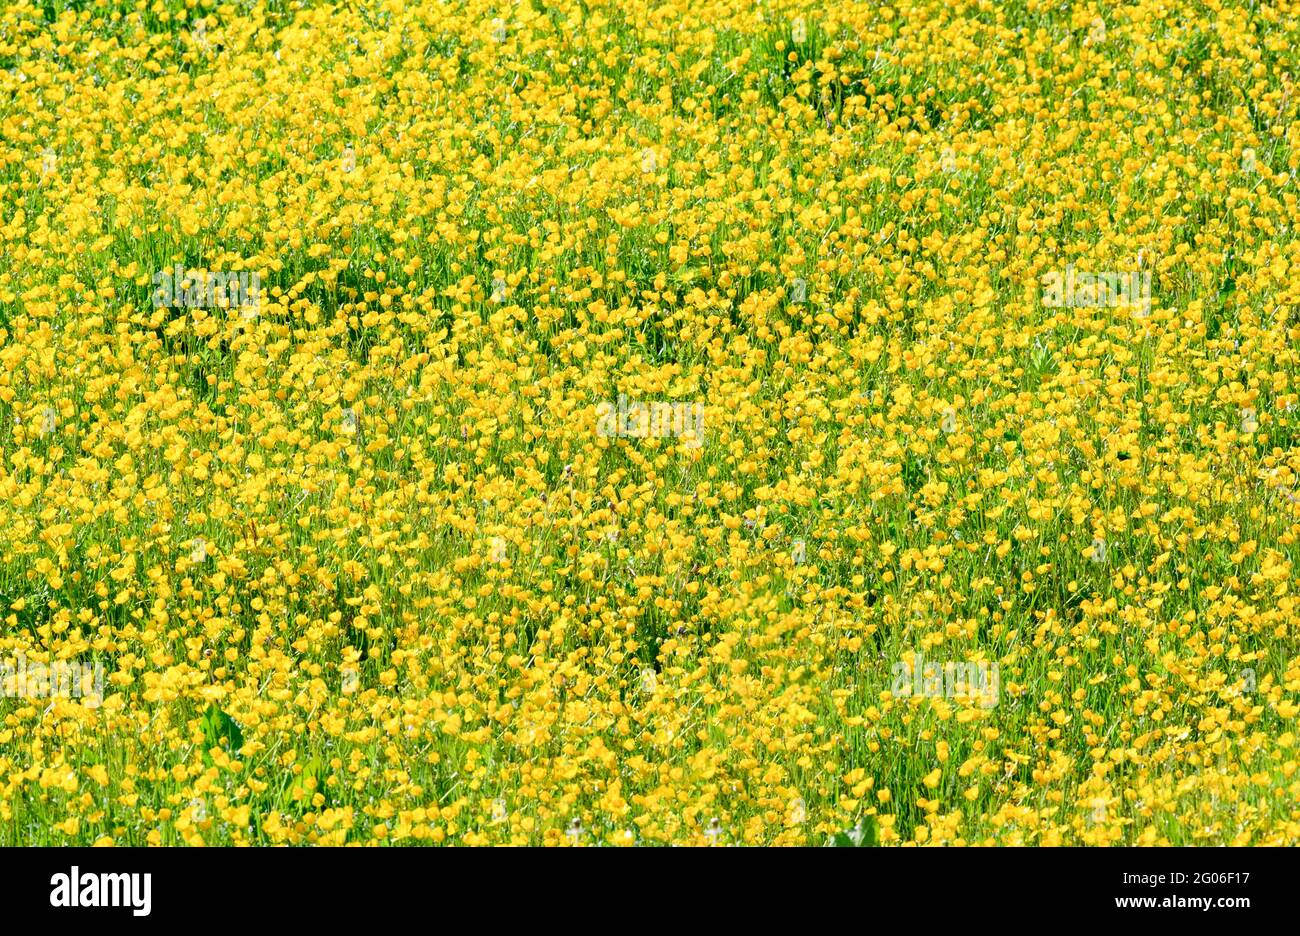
(368, 886)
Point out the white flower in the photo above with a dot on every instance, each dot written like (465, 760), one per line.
(1096, 31)
(798, 811)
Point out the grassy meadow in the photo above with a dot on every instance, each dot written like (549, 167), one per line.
(634, 419)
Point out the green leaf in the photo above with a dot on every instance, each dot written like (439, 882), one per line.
(220, 730)
(863, 835)
(297, 798)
